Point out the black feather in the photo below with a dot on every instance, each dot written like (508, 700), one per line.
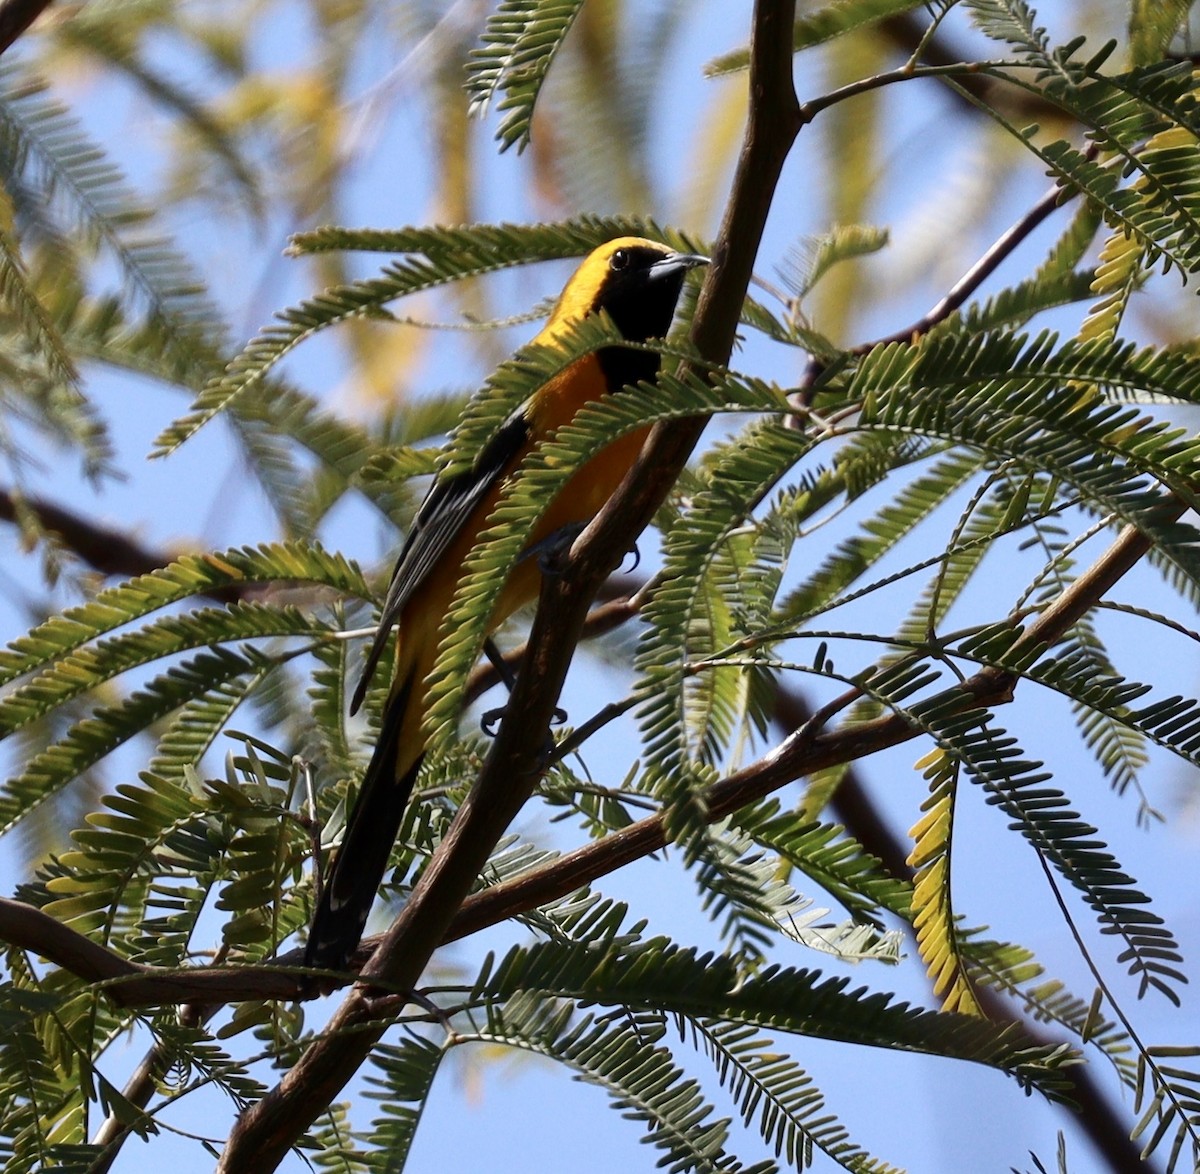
(439, 521)
(353, 882)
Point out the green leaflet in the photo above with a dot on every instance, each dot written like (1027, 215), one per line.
(402, 1081)
(519, 43)
(661, 976)
(92, 738)
(436, 257)
(188, 576)
(68, 174)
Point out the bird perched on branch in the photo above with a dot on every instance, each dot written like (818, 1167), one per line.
(637, 283)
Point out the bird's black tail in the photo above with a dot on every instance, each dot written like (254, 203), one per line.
(357, 872)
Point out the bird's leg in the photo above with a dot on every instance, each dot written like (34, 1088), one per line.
(507, 678)
(546, 550)
(496, 659)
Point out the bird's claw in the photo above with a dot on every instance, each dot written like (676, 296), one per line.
(553, 545)
(384, 1005)
(492, 717)
(550, 547)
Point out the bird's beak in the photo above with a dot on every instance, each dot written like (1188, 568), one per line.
(675, 263)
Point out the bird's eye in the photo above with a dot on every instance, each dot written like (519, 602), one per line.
(620, 259)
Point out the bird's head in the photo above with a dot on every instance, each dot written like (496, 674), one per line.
(635, 280)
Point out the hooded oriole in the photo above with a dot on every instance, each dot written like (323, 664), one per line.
(637, 282)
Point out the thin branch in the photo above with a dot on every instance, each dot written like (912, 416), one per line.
(983, 268)
(16, 16)
(29, 928)
(907, 32)
(109, 551)
(113, 553)
(624, 602)
(131, 984)
(956, 71)
(961, 290)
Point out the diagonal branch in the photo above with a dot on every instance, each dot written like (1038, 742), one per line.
(104, 549)
(263, 1134)
(807, 749)
(961, 290)
(16, 16)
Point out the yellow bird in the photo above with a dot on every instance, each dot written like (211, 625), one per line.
(637, 282)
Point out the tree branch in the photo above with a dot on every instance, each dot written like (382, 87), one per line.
(16, 16)
(264, 1133)
(109, 551)
(807, 749)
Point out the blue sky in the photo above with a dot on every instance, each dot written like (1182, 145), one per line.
(519, 1113)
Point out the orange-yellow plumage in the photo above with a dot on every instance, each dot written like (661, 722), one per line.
(637, 282)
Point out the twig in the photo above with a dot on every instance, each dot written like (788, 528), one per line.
(907, 31)
(131, 984)
(982, 269)
(28, 928)
(624, 602)
(954, 70)
(958, 293)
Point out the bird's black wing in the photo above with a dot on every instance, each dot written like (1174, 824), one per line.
(448, 505)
